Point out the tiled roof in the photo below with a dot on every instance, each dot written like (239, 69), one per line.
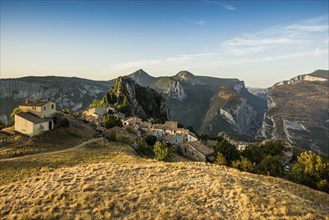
(193, 135)
(200, 147)
(34, 103)
(32, 118)
(172, 125)
(168, 137)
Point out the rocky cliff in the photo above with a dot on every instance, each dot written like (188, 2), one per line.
(72, 93)
(136, 100)
(298, 112)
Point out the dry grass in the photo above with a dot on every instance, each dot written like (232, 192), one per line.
(133, 188)
(58, 139)
(101, 151)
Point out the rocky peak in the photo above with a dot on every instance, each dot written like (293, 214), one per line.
(136, 100)
(140, 72)
(186, 76)
(141, 77)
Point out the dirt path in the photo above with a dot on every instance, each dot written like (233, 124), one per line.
(53, 152)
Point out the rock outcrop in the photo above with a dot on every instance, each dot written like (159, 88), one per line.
(136, 100)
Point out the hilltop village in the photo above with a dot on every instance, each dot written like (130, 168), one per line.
(182, 140)
(35, 116)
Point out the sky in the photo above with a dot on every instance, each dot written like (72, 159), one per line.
(259, 42)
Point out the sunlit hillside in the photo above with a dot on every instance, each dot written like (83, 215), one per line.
(114, 183)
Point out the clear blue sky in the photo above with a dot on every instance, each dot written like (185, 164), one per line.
(260, 42)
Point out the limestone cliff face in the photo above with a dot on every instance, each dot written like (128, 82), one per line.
(232, 110)
(176, 91)
(298, 112)
(72, 93)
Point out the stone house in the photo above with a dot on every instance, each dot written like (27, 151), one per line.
(197, 151)
(35, 117)
(95, 111)
(172, 139)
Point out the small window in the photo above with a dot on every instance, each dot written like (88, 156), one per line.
(52, 106)
(44, 108)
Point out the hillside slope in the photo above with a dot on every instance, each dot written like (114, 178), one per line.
(68, 92)
(149, 190)
(298, 112)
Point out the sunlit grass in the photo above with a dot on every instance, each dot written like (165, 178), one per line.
(119, 185)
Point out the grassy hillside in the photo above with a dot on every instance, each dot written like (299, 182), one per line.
(107, 180)
(58, 139)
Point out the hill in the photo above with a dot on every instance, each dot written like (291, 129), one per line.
(68, 92)
(298, 112)
(129, 187)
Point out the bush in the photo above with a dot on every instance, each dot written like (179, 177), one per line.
(123, 138)
(311, 170)
(12, 115)
(254, 153)
(60, 120)
(228, 150)
(150, 139)
(111, 121)
(145, 149)
(271, 165)
(244, 164)
(273, 147)
(220, 159)
(162, 152)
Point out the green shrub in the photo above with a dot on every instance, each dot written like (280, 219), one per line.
(60, 120)
(111, 121)
(220, 159)
(228, 150)
(123, 138)
(162, 152)
(244, 164)
(271, 165)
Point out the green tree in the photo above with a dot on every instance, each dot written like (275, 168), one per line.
(97, 103)
(60, 120)
(111, 121)
(150, 139)
(162, 152)
(311, 170)
(228, 150)
(273, 147)
(220, 159)
(271, 165)
(254, 153)
(244, 164)
(12, 115)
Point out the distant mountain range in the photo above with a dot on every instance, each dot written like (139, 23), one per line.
(296, 110)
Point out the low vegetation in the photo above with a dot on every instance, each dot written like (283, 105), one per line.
(309, 169)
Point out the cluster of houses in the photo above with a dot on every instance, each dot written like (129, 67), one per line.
(182, 140)
(36, 116)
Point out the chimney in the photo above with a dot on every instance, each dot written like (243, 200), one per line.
(26, 100)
